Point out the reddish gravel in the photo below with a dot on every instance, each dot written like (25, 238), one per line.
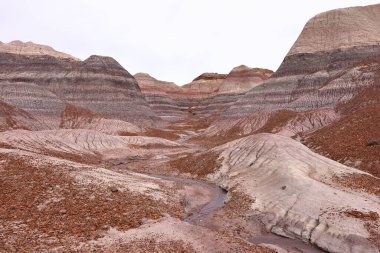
(197, 164)
(372, 223)
(277, 120)
(347, 139)
(152, 245)
(43, 208)
(360, 182)
(154, 132)
(73, 115)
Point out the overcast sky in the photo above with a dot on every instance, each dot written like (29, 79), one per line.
(172, 40)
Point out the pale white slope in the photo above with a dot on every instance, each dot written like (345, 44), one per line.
(340, 28)
(78, 141)
(294, 191)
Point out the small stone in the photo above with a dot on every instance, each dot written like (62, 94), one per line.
(373, 143)
(284, 187)
(63, 211)
(114, 189)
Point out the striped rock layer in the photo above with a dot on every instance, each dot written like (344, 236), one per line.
(43, 84)
(207, 95)
(334, 58)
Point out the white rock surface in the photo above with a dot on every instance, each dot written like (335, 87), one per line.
(294, 190)
(341, 28)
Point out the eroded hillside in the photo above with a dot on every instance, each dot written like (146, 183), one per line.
(93, 159)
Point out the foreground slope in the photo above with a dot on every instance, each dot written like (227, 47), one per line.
(300, 194)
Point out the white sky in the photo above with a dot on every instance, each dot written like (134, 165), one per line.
(172, 40)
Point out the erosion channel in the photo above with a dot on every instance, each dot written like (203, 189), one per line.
(217, 196)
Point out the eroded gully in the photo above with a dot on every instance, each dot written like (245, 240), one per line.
(216, 200)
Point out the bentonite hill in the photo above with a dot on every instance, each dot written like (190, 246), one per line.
(94, 159)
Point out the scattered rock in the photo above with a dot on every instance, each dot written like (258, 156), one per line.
(373, 143)
(113, 189)
(283, 187)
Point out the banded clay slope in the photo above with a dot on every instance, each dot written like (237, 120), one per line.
(356, 26)
(204, 85)
(216, 92)
(160, 96)
(317, 81)
(41, 84)
(75, 117)
(207, 95)
(14, 118)
(299, 194)
(30, 48)
(243, 78)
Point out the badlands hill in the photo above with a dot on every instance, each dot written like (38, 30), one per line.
(30, 48)
(43, 82)
(93, 159)
(209, 94)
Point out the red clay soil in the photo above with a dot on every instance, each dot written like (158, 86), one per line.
(372, 216)
(277, 120)
(43, 208)
(372, 223)
(192, 122)
(199, 164)
(7, 112)
(152, 245)
(90, 159)
(238, 204)
(367, 184)
(366, 97)
(72, 113)
(216, 140)
(359, 182)
(348, 139)
(154, 132)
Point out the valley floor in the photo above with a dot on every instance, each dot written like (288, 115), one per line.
(171, 190)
